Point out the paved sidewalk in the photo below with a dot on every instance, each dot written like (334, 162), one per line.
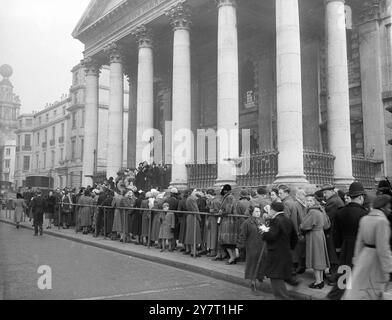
(202, 265)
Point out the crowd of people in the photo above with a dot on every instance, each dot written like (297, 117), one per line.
(279, 233)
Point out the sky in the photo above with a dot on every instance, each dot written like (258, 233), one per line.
(36, 41)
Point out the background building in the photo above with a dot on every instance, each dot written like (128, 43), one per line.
(9, 112)
(24, 148)
(310, 79)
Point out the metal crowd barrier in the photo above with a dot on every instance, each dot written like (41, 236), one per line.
(125, 212)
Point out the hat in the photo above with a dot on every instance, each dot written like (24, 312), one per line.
(383, 185)
(381, 201)
(327, 186)
(277, 206)
(244, 193)
(174, 190)
(356, 189)
(226, 187)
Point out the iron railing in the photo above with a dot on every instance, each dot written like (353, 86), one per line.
(202, 175)
(319, 167)
(366, 170)
(258, 169)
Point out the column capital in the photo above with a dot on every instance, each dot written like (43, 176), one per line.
(370, 10)
(179, 16)
(144, 36)
(114, 52)
(221, 3)
(91, 66)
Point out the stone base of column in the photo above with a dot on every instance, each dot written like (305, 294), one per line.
(343, 182)
(221, 183)
(181, 186)
(294, 180)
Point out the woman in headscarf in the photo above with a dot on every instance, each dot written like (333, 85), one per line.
(372, 258)
(313, 224)
(85, 205)
(118, 217)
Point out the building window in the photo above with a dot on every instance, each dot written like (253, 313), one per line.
(62, 129)
(7, 163)
(44, 160)
(73, 149)
(54, 133)
(27, 140)
(73, 120)
(26, 163)
(46, 136)
(53, 158)
(55, 113)
(7, 151)
(37, 138)
(64, 110)
(29, 122)
(61, 154)
(39, 120)
(83, 118)
(47, 117)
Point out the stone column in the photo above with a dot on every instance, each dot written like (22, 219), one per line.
(132, 120)
(179, 17)
(145, 94)
(91, 125)
(375, 141)
(114, 158)
(289, 94)
(338, 105)
(228, 92)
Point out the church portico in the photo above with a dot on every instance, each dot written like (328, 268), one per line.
(270, 67)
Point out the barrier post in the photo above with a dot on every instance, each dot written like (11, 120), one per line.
(194, 235)
(59, 216)
(124, 218)
(104, 223)
(149, 230)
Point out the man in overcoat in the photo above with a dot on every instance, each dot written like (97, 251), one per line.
(281, 238)
(293, 211)
(346, 229)
(38, 206)
(332, 204)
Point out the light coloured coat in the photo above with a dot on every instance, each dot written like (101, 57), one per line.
(371, 265)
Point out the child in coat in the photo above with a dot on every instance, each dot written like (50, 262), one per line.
(166, 231)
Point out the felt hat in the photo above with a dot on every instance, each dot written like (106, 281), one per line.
(356, 189)
(327, 186)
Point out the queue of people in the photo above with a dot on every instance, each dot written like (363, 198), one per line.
(279, 233)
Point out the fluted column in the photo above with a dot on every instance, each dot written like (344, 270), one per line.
(289, 94)
(370, 53)
(228, 92)
(91, 125)
(145, 94)
(179, 17)
(338, 107)
(132, 121)
(116, 111)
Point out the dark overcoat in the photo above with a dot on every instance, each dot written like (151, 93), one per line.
(38, 205)
(251, 240)
(332, 205)
(281, 239)
(346, 229)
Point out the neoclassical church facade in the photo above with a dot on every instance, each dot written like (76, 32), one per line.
(302, 87)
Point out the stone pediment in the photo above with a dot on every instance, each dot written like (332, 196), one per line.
(96, 10)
